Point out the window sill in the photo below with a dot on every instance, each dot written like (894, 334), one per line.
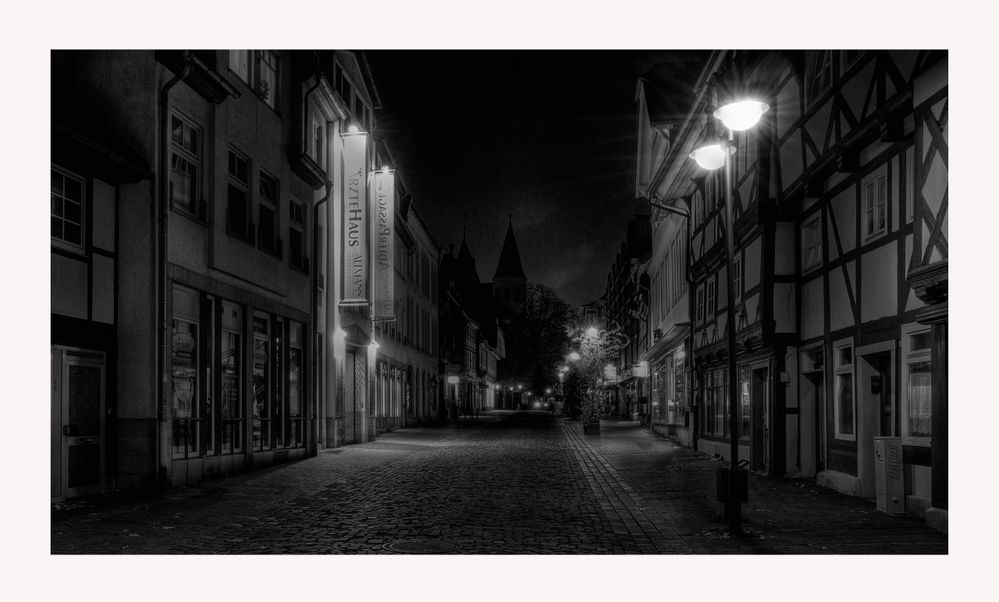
(190, 216)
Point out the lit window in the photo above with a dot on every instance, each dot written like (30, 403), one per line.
(917, 408)
(67, 209)
(844, 406)
(875, 194)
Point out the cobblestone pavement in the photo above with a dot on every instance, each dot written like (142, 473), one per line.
(502, 485)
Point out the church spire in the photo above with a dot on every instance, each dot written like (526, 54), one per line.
(509, 262)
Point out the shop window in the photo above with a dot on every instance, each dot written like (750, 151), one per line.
(745, 403)
(844, 409)
(875, 195)
(185, 374)
(185, 167)
(262, 382)
(721, 401)
(267, 215)
(67, 209)
(238, 209)
(278, 384)
(230, 374)
(917, 407)
(811, 243)
(296, 398)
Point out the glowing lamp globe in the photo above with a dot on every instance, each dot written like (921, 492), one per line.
(592, 332)
(709, 157)
(742, 115)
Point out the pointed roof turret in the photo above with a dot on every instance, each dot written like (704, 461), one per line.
(509, 262)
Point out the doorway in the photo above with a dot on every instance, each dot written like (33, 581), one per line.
(810, 442)
(78, 402)
(355, 389)
(759, 391)
(875, 407)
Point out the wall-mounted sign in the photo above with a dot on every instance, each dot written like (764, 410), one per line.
(354, 240)
(383, 225)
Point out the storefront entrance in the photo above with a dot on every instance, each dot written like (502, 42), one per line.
(78, 402)
(355, 389)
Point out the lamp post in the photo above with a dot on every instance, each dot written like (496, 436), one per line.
(737, 116)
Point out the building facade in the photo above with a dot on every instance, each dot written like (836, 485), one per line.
(204, 206)
(626, 298)
(840, 229)
(202, 275)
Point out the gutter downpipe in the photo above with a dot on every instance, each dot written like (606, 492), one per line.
(316, 428)
(162, 473)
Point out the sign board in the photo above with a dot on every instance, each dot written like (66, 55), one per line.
(355, 235)
(889, 483)
(383, 225)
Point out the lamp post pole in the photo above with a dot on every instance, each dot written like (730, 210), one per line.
(733, 509)
(737, 116)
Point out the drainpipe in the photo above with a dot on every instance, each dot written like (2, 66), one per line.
(316, 430)
(163, 329)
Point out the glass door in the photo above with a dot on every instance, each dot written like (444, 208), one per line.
(79, 391)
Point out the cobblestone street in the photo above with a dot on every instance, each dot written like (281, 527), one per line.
(502, 485)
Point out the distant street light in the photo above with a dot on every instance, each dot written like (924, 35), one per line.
(736, 116)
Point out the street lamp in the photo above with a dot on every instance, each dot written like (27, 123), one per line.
(736, 116)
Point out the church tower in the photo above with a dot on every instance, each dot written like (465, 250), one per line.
(509, 283)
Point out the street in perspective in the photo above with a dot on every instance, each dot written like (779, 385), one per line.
(381, 302)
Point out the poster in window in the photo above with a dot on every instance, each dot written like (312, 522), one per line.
(294, 381)
(184, 370)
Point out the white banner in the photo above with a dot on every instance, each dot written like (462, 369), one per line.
(355, 255)
(383, 225)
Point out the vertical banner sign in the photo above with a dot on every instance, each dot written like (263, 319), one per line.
(354, 186)
(383, 223)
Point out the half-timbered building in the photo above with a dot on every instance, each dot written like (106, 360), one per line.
(840, 206)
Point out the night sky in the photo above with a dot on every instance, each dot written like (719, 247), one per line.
(548, 136)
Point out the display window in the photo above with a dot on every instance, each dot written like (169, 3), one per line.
(185, 377)
(230, 374)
